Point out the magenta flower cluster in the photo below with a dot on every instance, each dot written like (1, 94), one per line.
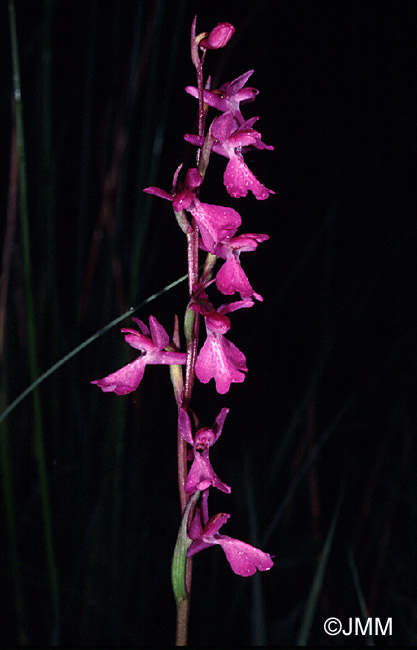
(230, 136)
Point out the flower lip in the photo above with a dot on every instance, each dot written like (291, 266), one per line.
(231, 277)
(243, 558)
(221, 360)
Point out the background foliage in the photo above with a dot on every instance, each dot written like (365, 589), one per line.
(319, 446)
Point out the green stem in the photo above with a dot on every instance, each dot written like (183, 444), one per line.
(38, 443)
(181, 578)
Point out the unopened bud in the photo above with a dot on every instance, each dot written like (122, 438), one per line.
(218, 37)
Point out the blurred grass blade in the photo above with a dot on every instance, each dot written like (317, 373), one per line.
(359, 592)
(258, 619)
(6, 466)
(9, 504)
(306, 465)
(38, 442)
(313, 597)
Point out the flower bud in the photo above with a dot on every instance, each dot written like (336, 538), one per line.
(218, 37)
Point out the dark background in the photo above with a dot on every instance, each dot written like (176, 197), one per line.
(319, 445)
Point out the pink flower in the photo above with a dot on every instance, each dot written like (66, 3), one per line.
(231, 277)
(230, 138)
(218, 37)
(151, 344)
(243, 558)
(201, 474)
(229, 96)
(216, 223)
(219, 358)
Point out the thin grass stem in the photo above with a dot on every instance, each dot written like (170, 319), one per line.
(6, 467)
(9, 503)
(38, 439)
(315, 589)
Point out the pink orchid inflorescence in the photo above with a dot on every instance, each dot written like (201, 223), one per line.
(212, 229)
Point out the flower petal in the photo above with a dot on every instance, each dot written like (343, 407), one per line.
(216, 222)
(223, 127)
(184, 426)
(202, 475)
(125, 380)
(197, 546)
(210, 98)
(219, 422)
(237, 84)
(238, 180)
(197, 140)
(231, 278)
(214, 524)
(244, 558)
(244, 243)
(158, 192)
(234, 306)
(195, 530)
(142, 326)
(159, 336)
(229, 96)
